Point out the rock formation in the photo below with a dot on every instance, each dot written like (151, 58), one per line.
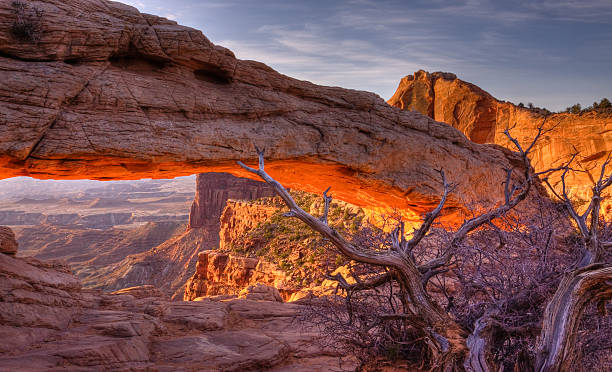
(47, 322)
(221, 273)
(482, 118)
(214, 189)
(240, 217)
(8, 244)
(258, 246)
(170, 264)
(99, 90)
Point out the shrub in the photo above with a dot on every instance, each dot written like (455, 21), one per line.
(27, 24)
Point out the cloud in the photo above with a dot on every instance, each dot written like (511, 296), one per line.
(506, 47)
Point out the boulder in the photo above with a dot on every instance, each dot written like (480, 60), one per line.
(260, 292)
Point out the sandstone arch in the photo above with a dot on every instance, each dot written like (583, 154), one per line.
(105, 92)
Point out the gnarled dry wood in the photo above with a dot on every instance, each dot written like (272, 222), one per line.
(444, 337)
(577, 289)
(588, 281)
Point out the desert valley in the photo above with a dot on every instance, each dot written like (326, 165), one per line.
(165, 206)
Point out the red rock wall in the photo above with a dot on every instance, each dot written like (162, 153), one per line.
(221, 273)
(482, 118)
(214, 189)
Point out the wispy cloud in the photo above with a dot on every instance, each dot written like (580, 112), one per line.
(506, 47)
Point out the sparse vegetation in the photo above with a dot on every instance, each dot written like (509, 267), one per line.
(539, 110)
(500, 292)
(27, 23)
(603, 106)
(302, 253)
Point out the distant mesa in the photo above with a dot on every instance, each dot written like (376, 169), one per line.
(109, 202)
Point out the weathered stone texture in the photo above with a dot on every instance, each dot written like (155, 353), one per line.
(483, 118)
(106, 92)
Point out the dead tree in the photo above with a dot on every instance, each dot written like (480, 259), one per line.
(444, 338)
(588, 281)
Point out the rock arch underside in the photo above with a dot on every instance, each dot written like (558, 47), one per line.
(106, 92)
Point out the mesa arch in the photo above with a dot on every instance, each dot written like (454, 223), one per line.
(107, 92)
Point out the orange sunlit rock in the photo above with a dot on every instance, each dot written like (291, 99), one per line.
(109, 93)
(482, 118)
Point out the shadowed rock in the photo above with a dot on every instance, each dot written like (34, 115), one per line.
(47, 322)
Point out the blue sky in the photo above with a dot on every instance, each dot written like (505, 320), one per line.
(551, 53)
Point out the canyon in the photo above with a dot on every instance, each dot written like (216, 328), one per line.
(48, 322)
(109, 93)
(130, 251)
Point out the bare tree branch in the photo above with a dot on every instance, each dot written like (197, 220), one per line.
(326, 200)
(352, 252)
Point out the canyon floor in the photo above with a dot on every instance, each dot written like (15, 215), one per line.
(91, 225)
(78, 242)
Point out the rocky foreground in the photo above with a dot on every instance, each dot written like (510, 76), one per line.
(48, 322)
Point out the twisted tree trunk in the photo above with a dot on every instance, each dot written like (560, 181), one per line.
(577, 289)
(479, 345)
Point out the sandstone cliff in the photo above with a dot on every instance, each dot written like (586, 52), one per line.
(258, 245)
(214, 189)
(482, 118)
(221, 273)
(170, 264)
(102, 91)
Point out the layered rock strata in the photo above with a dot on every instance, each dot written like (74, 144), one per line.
(48, 322)
(170, 264)
(483, 118)
(102, 91)
(221, 273)
(214, 189)
(259, 248)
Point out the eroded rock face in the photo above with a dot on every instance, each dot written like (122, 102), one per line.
(8, 244)
(482, 118)
(47, 322)
(105, 92)
(239, 217)
(214, 189)
(167, 266)
(222, 273)
(170, 264)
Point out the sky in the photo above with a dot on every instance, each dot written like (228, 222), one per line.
(553, 53)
